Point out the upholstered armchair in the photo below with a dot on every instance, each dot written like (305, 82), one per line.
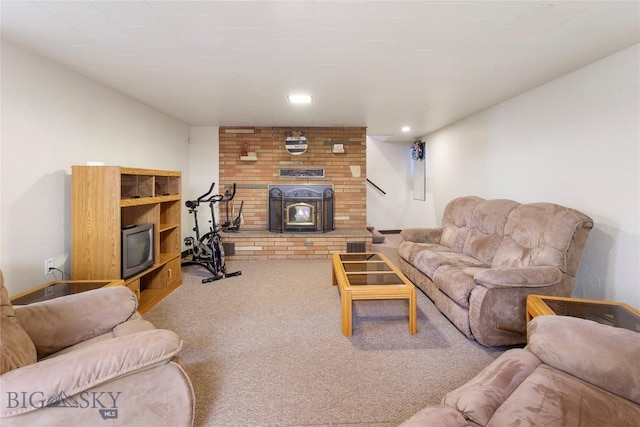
(573, 372)
(87, 359)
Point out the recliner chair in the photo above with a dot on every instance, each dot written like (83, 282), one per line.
(88, 358)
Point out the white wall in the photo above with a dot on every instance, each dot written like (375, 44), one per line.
(203, 161)
(53, 118)
(389, 167)
(574, 141)
(204, 153)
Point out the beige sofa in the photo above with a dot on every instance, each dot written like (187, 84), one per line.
(573, 372)
(89, 359)
(488, 255)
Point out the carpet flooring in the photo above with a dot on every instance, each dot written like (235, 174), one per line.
(266, 349)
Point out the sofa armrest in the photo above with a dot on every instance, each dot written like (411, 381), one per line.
(479, 398)
(437, 415)
(422, 235)
(528, 277)
(602, 355)
(62, 322)
(74, 372)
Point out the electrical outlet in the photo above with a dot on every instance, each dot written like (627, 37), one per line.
(48, 265)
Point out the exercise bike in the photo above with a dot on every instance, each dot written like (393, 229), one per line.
(208, 251)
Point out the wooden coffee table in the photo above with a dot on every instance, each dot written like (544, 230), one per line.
(606, 312)
(370, 276)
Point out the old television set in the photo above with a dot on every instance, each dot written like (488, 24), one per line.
(137, 249)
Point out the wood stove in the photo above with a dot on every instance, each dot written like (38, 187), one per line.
(300, 208)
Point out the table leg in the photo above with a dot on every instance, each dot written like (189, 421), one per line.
(413, 312)
(347, 313)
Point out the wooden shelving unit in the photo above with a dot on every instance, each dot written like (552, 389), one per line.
(103, 200)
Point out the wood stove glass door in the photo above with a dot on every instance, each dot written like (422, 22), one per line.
(300, 215)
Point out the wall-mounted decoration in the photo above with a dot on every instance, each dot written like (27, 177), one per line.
(296, 143)
(418, 169)
(417, 150)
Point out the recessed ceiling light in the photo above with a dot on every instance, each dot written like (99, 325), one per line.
(406, 128)
(299, 98)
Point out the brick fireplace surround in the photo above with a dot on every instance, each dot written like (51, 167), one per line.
(252, 178)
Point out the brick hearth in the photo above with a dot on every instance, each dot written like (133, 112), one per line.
(267, 245)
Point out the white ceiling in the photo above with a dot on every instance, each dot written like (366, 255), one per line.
(379, 64)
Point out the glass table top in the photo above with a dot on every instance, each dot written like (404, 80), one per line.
(360, 257)
(368, 269)
(606, 314)
(55, 290)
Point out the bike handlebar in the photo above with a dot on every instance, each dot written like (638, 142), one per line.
(212, 199)
(201, 198)
(226, 197)
(215, 198)
(195, 203)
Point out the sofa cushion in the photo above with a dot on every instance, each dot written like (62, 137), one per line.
(16, 348)
(538, 234)
(408, 250)
(589, 351)
(428, 261)
(487, 228)
(456, 220)
(550, 397)
(456, 282)
(481, 396)
(422, 235)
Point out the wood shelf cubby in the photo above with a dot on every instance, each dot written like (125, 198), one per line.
(104, 199)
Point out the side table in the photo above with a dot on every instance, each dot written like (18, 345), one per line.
(60, 288)
(610, 313)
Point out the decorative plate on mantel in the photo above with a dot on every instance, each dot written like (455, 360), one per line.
(296, 143)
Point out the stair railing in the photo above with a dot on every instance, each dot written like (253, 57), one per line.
(376, 187)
